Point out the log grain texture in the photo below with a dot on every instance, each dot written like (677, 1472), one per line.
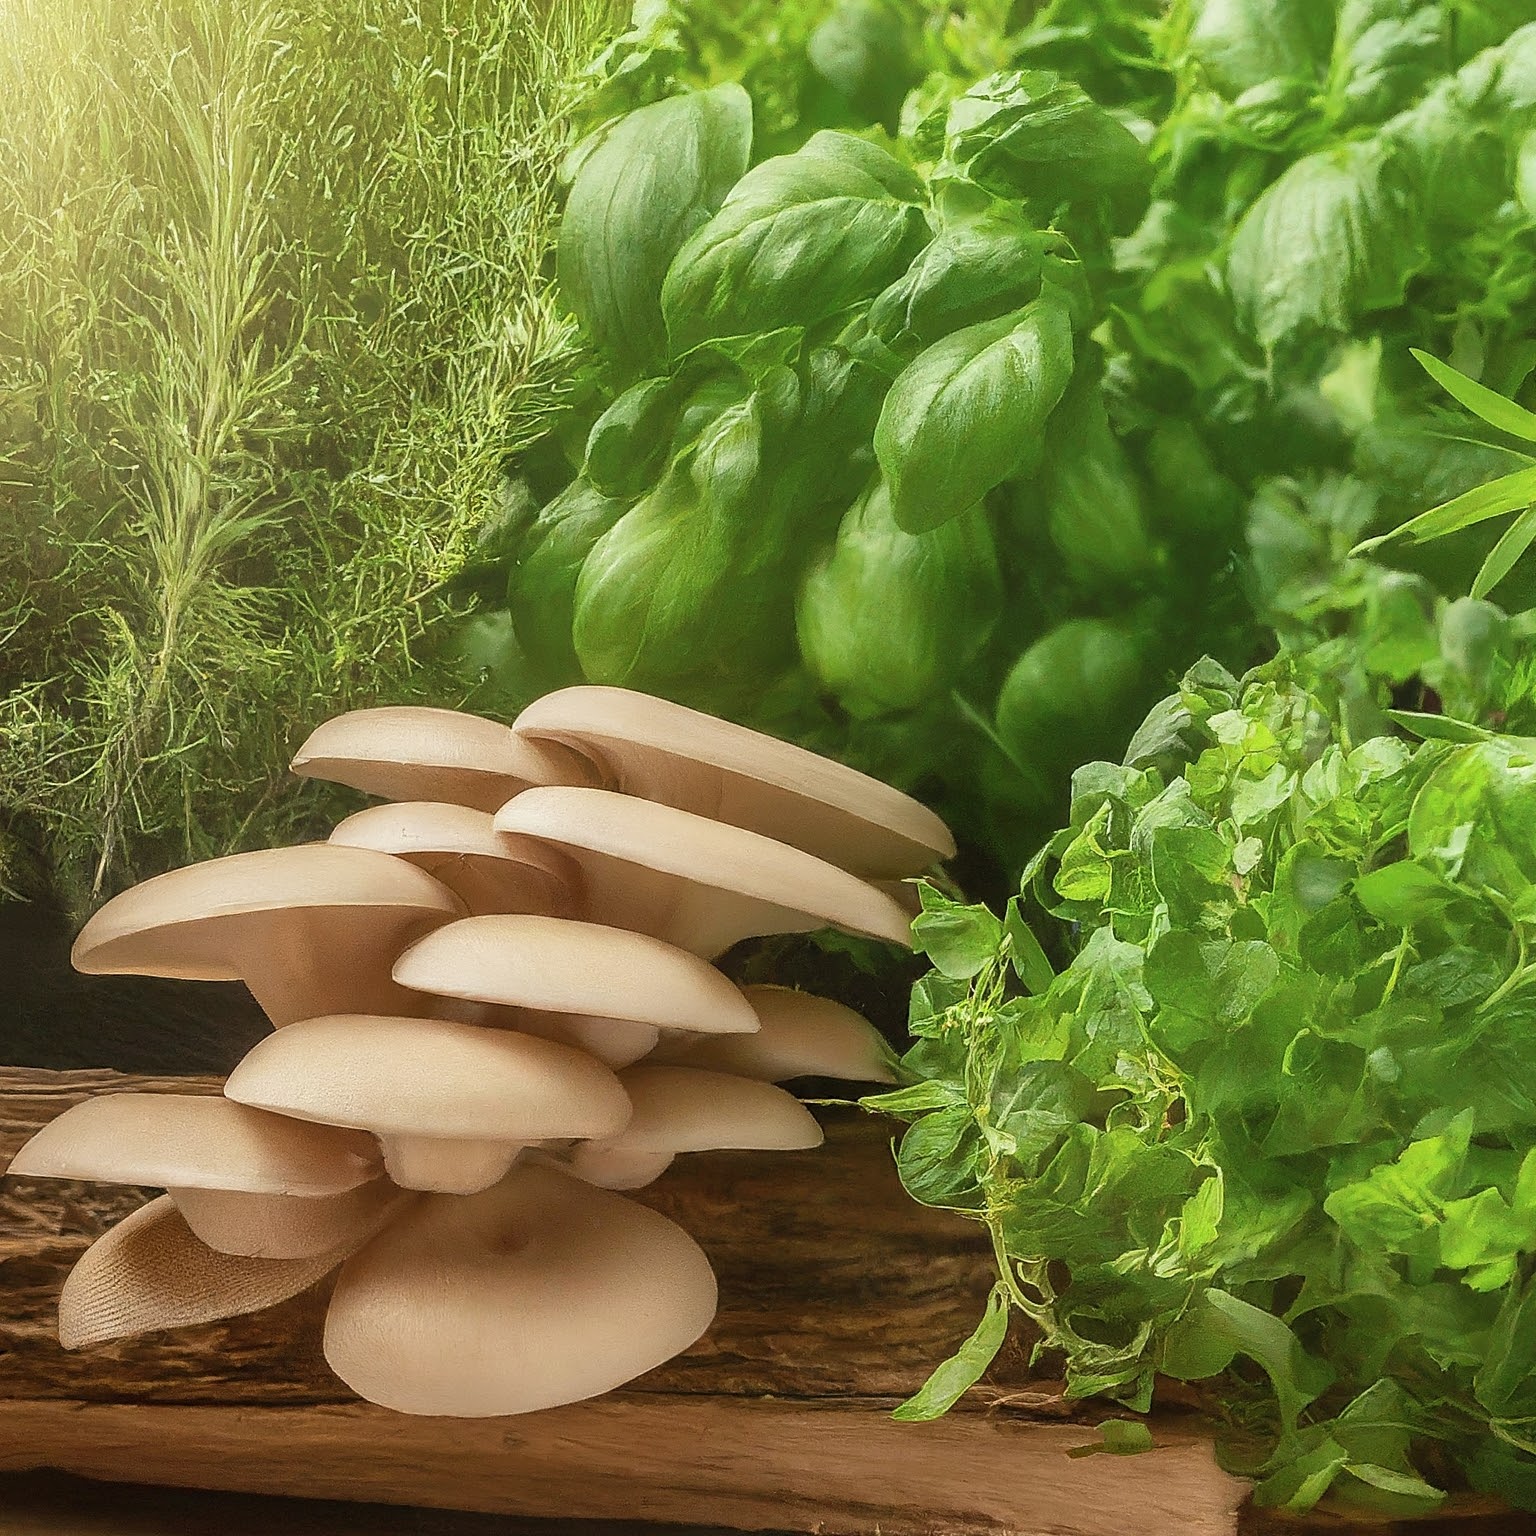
(838, 1295)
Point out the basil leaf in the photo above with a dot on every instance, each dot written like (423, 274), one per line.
(957, 1375)
(1031, 134)
(887, 619)
(639, 194)
(690, 582)
(1333, 238)
(963, 415)
(967, 273)
(541, 586)
(1245, 43)
(627, 442)
(800, 239)
(863, 50)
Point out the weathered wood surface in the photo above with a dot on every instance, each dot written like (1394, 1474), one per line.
(838, 1294)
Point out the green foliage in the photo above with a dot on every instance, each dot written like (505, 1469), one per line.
(271, 315)
(1131, 286)
(1240, 1087)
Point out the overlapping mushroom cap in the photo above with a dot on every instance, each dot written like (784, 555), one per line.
(683, 1109)
(662, 751)
(700, 884)
(310, 930)
(540, 1291)
(801, 1035)
(458, 846)
(605, 990)
(151, 1272)
(454, 1165)
(407, 752)
(245, 1182)
(452, 1104)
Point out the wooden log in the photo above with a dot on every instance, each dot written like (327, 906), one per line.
(838, 1295)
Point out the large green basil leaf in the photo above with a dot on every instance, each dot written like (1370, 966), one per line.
(969, 272)
(965, 413)
(1031, 134)
(888, 619)
(863, 50)
(1064, 698)
(1334, 237)
(646, 187)
(626, 443)
(1384, 55)
(800, 239)
(1093, 496)
(689, 582)
(1246, 44)
(541, 589)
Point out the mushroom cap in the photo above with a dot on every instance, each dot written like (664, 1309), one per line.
(294, 924)
(801, 1036)
(685, 1109)
(614, 1042)
(459, 846)
(539, 1291)
(407, 752)
(429, 1077)
(149, 1272)
(287, 1226)
(663, 751)
(724, 883)
(196, 1141)
(558, 965)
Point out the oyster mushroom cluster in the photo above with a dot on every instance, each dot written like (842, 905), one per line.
(494, 1008)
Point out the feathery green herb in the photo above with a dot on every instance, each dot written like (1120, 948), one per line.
(272, 314)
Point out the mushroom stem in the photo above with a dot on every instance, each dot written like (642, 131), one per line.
(447, 1166)
(611, 1167)
(311, 983)
(282, 1226)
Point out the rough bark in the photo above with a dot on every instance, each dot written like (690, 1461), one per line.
(838, 1295)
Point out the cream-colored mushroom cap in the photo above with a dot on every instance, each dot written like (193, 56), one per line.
(196, 1141)
(801, 1036)
(151, 1272)
(407, 752)
(539, 1291)
(245, 1182)
(662, 751)
(310, 930)
(452, 1104)
(614, 1042)
(700, 884)
(684, 1109)
(557, 965)
(459, 846)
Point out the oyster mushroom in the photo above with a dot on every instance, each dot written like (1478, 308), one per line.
(696, 883)
(458, 846)
(664, 752)
(150, 1272)
(801, 1036)
(451, 1104)
(605, 990)
(310, 930)
(406, 752)
(683, 1109)
(245, 1182)
(538, 1291)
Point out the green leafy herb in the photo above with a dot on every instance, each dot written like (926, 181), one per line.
(1267, 1121)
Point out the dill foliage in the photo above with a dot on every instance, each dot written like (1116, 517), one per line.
(272, 316)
